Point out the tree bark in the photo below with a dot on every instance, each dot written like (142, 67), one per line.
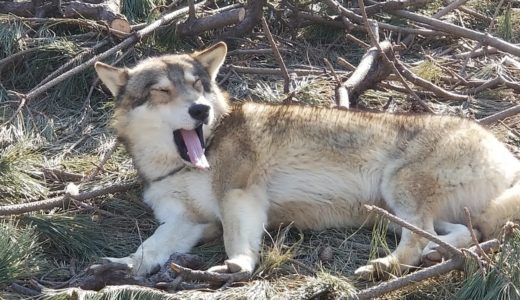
(108, 11)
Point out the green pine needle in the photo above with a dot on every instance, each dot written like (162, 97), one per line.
(69, 236)
(19, 252)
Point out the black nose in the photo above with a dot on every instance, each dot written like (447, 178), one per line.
(199, 112)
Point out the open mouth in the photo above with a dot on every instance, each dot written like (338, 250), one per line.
(190, 144)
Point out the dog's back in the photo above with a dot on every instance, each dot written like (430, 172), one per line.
(322, 165)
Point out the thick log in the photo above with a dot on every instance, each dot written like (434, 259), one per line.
(371, 70)
(108, 11)
(193, 27)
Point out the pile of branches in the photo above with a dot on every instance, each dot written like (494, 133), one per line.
(380, 67)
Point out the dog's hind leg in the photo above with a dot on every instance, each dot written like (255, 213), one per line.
(409, 198)
(457, 235)
(244, 216)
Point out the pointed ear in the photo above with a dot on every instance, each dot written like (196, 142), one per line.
(114, 78)
(212, 58)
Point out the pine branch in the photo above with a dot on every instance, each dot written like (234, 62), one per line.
(63, 201)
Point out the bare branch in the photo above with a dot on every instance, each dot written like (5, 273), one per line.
(277, 56)
(500, 115)
(197, 26)
(438, 91)
(485, 38)
(63, 201)
(436, 270)
(452, 250)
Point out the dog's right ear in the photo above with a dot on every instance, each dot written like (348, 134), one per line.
(114, 78)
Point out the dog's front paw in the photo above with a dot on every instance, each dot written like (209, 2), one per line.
(381, 268)
(237, 264)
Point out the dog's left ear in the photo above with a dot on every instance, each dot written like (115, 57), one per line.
(212, 58)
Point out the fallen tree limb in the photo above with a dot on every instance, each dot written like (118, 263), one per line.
(63, 201)
(389, 62)
(193, 27)
(418, 81)
(452, 29)
(436, 270)
(494, 83)
(389, 5)
(254, 11)
(359, 20)
(450, 7)
(106, 10)
(449, 248)
(500, 115)
(274, 71)
(370, 71)
(212, 277)
(277, 56)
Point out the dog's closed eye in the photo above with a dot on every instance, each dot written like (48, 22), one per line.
(198, 85)
(161, 90)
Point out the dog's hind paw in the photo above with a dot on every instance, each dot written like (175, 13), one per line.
(381, 268)
(433, 254)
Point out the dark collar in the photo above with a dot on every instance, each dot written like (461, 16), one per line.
(172, 172)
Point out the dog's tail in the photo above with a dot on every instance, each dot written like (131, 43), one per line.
(505, 207)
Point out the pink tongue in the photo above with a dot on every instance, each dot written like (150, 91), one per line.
(195, 151)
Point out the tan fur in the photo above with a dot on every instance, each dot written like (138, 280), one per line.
(315, 167)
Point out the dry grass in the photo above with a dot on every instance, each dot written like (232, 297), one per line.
(63, 129)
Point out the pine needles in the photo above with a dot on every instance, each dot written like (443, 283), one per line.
(499, 281)
(68, 235)
(19, 252)
(16, 184)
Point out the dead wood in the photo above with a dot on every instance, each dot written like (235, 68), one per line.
(475, 14)
(274, 71)
(352, 16)
(256, 51)
(418, 81)
(494, 83)
(211, 277)
(277, 55)
(500, 115)
(452, 29)
(374, 40)
(462, 71)
(193, 27)
(108, 11)
(371, 70)
(389, 5)
(254, 10)
(449, 248)
(101, 275)
(22, 290)
(450, 7)
(63, 201)
(22, 9)
(436, 270)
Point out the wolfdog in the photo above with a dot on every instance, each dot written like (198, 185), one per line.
(213, 168)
